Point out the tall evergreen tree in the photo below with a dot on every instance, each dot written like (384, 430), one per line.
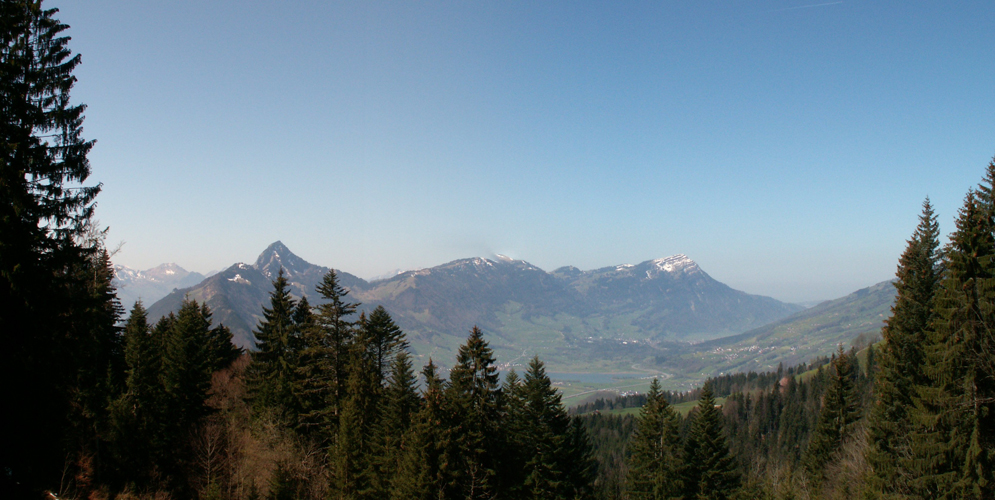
(185, 378)
(655, 462)
(978, 476)
(313, 384)
(421, 472)
(398, 405)
(186, 368)
(901, 358)
(474, 394)
(45, 208)
(385, 339)
(270, 377)
(579, 461)
(351, 457)
(517, 448)
(547, 437)
(303, 336)
(135, 414)
(53, 343)
(336, 332)
(838, 416)
(710, 469)
(953, 449)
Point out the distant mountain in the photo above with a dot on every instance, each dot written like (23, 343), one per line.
(523, 308)
(236, 295)
(151, 285)
(673, 298)
(855, 318)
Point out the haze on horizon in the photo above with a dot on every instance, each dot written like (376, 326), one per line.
(785, 146)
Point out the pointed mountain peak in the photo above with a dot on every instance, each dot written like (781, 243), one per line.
(277, 256)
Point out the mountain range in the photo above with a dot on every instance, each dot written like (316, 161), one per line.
(151, 285)
(522, 308)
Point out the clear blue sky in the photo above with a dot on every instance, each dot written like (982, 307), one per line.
(786, 146)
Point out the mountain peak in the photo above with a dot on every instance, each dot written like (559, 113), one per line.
(277, 256)
(674, 264)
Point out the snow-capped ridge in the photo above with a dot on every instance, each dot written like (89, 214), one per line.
(674, 263)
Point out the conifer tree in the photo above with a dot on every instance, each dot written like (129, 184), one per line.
(517, 447)
(953, 449)
(313, 384)
(269, 377)
(900, 360)
(385, 339)
(978, 476)
(474, 394)
(354, 473)
(221, 352)
(303, 320)
(45, 209)
(186, 369)
(141, 357)
(185, 377)
(135, 413)
(710, 469)
(421, 474)
(397, 407)
(546, 433)
(337, 332)
(837, 418)
(303, 332)
(579, 462)
(655, 462)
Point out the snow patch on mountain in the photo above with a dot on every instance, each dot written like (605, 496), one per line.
(240, 280)
(674, 263)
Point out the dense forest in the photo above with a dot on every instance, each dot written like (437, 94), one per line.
(99, 403)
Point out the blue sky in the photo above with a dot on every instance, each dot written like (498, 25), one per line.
(786, 146)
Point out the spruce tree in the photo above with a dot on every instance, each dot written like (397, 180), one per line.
(837, 418)
(710, 469)
(579, 462)
(336, 334)
(303, 331)
(421, 471)
(952, 446)
(978, 476)
(135, 413)
(141, 357)
(900, 360)
(547, 435)
(221, 352)
(655, 460)
(351, 457)
(517, 448)
(186, 369)
(185, 377)
(45, 210)
(474, 394)
(385, 339)
(269, 375)
(397, 407)
(313, 385)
